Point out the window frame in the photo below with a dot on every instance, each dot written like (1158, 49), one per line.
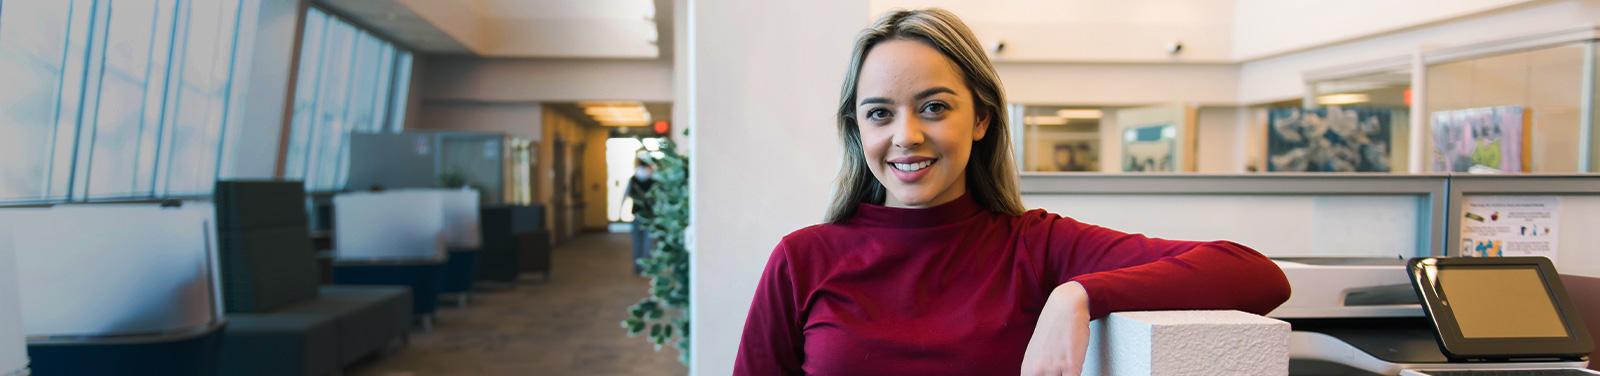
(299, 145)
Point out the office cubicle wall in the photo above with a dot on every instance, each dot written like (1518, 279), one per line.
(430, 160)
(392, 160)
(88, 272)
(1280, 215)
(461, 219)
(391, 225)
(13, 349)
(1334, 215)
(1578, 200)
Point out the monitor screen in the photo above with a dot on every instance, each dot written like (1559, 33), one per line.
(1500, 302)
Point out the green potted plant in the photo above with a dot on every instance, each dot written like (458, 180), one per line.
(664, 314)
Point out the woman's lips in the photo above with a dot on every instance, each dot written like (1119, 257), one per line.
(910, 171)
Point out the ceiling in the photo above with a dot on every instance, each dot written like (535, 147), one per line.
(397, 22)
(611, 29)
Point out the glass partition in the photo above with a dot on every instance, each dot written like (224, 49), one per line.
(1062, 138)
(391, 225)
(1523, 108)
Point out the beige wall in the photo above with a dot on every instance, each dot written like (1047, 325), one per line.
(1267, 27)
(517, 119)
(1093, 30)
(558, 126)
(1119, 84)
(453, 78)
(1279, 77)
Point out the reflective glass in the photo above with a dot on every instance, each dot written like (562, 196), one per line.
(33, 37)
(113, 99)
(349, 81)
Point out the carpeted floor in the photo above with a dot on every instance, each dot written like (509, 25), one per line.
(568, 326)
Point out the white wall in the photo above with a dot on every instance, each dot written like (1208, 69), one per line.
(680, 77)
(1267, 27)
(544, 80)
(253, 138)
(1577, 255)
(764, 80)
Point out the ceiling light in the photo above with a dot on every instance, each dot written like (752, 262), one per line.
(1080, 113)
(1338, 99)
(624, 123)
(1044, 120)
(587, 104)
(597, 111)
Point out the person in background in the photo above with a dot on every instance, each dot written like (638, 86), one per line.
(638, 190)
(928, 264)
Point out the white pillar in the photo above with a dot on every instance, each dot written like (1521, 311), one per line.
(13, 349)
(1171, 343)
(763, 84)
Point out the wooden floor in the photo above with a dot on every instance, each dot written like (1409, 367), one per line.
(568, 326)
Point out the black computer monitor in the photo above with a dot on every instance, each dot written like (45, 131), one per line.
(1494, 308)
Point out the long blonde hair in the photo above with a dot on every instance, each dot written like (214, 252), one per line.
(991, 178)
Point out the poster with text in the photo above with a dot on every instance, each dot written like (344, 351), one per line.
(1495, 226)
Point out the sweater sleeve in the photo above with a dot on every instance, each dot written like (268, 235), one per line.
(772, 342)
(1132, 272)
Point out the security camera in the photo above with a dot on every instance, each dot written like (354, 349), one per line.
(997, 47)
(1174, 47)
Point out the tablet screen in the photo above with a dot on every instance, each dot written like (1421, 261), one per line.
(1501, 302)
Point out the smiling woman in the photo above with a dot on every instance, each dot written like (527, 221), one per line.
(938, 99)
(928, 263)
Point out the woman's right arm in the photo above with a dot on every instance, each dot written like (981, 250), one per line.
(772, 343)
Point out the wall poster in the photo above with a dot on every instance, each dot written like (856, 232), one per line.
(1495, 226)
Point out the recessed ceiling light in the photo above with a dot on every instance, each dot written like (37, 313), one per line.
(1080, 113)
(1044, 120)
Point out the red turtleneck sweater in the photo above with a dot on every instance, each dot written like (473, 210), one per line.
(956, 289)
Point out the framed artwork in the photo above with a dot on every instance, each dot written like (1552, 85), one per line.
(1076, 155)
(1481, 140)
(1157, 138)
(1331, 139)
(1150, 148)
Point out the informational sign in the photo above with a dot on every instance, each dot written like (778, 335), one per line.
(1495, 226)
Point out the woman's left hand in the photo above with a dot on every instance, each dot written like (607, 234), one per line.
(1062, 335)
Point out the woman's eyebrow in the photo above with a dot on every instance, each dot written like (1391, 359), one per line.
(920, 95)
(875, 100)
(934, 90)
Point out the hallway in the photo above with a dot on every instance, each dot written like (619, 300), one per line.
(568, 326)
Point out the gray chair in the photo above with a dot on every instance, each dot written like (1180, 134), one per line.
(281, 321)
